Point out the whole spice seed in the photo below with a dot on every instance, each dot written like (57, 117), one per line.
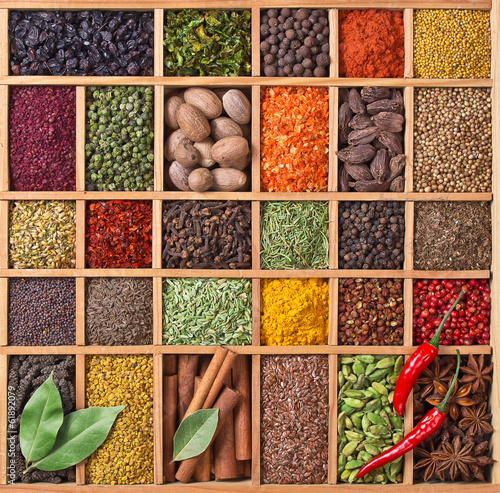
(210, 42)
(42, 138)
(451, 43)
(294, 312)
(207, 311)
(119, 131)
(460, 449)
(81, 43)
(469, 322)
(119, 234)
(207, 234)
(371, 312)
(371, 43)
(119, 311)
(294, 42)
(126, 456)
(453, 142)
(452, 236)
(42, 312)
(371, 235)
(42, 234)
(26, 374)
(294, 419)
(294, 235)
(367, 423)
(294, 139)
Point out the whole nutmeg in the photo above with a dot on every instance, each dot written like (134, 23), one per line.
(200, 180)
(186, 154)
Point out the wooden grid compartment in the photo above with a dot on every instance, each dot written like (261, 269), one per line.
(254, 83)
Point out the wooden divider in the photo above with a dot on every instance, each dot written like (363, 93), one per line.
(255, 144)
(158, 417)
(332, 418)
(408, 312)
(4, 42)
(159, 138)
(409, 232)
(81, 115)
(80, 311)
(408, 139)
(333, 311)
(157, 311)
(408, 29)
(255, 229)
(255, 41)
(4, 134)
(158, 43)
(4, 235)
(80, 404)
(80, 235)
(157, 234)
(333, 118)
(4, 371)
(256, 312)
(256, 419)
(333, 18)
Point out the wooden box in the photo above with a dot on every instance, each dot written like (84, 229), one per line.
(253, 83)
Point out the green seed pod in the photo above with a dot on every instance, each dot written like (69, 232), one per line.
(349, 449)
(375, 418)
(352, 435)
(359, 368)
(354, 464)
(356, 403)
(372, 449)
(357, 394)
(386, 363)
(366, 358)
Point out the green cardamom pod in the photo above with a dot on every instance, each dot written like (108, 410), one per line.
(375, 418)
(356, 403)
(349, 449)
(386, 363)
(352, 435)
(359, 368)
(378, 430)
(366, 358)
(380, 388)
(354, 464)
(357, 394)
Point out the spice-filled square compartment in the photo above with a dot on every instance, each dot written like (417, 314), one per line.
(119, 311)
(452, 140)
(220, 381)
(208, 144)
(469, 322)
(294, 312)
(207, 312)
(370, 312)
(126, 456)
(371, 125)
(42, 234)
(41, 311)
(119, 140)
(97, 42)
(371, 235)
(294, 419)
(367, 423)
(461, 449)
(294, 42)
(25, 375)
(207, 42)
(42, 138)
(118, 234)
(451, 44)
(294, 235)
(207, 234)
(452, 236)
(371, 43)
(294, 139)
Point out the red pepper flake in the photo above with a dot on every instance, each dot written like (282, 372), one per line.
(119, 234)
(294, 139)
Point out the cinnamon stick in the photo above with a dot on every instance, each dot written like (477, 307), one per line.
(169, 364)
(169, 424)
(242, 412)
(205, 360)
(207, 382)
(224, 371)
(187, 368)
(202, 471)
(225, 404)
(244, 468)
(224, 454)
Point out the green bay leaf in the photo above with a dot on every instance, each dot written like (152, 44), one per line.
(195, 433)
(80, 435)
(41, 419)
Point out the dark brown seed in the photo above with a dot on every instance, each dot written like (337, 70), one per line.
(343, 180)
(344, 135)
(383, 105)
(358, 171)
(396, 165)
(355, 102)
(379, 167)
(392, 141)
(370, 186)
(371, 94)
(361, 121)
(398, 184)
(364, 136)
(345, 115)
(391, 122)
(357, 154)
(343, 95)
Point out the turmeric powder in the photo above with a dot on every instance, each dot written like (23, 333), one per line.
(294, 312)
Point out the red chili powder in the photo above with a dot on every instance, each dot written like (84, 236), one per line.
(119, 234)
(371, 43)
(42, 138)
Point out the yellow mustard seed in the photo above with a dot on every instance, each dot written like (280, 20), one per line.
(452, 43)
(126, 456)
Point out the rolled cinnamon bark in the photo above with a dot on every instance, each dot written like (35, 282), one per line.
(224, 371)
(202, 471)
(242, 412)
(169, 426)
(225, 404)
(187, 367)
(207, 382)
(169, 364)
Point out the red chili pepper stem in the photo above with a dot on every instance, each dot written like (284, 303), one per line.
(435, 338)
(424, 429)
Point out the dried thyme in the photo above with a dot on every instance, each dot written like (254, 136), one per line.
(294, 235)
(452, 236)
(207, 311)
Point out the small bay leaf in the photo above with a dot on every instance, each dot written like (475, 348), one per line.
(80, 435)
(195, 434)
(41, 419)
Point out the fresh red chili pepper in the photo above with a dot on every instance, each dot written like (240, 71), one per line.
(424, 429)
(417, 363)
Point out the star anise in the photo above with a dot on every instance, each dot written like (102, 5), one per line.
(476, 421)
(456, 458)
(456, 399)
(481, 460)
(436, 372)
(429, 462)
(477, 374)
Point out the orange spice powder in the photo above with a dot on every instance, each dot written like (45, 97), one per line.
(371, 43)
(294, 139)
